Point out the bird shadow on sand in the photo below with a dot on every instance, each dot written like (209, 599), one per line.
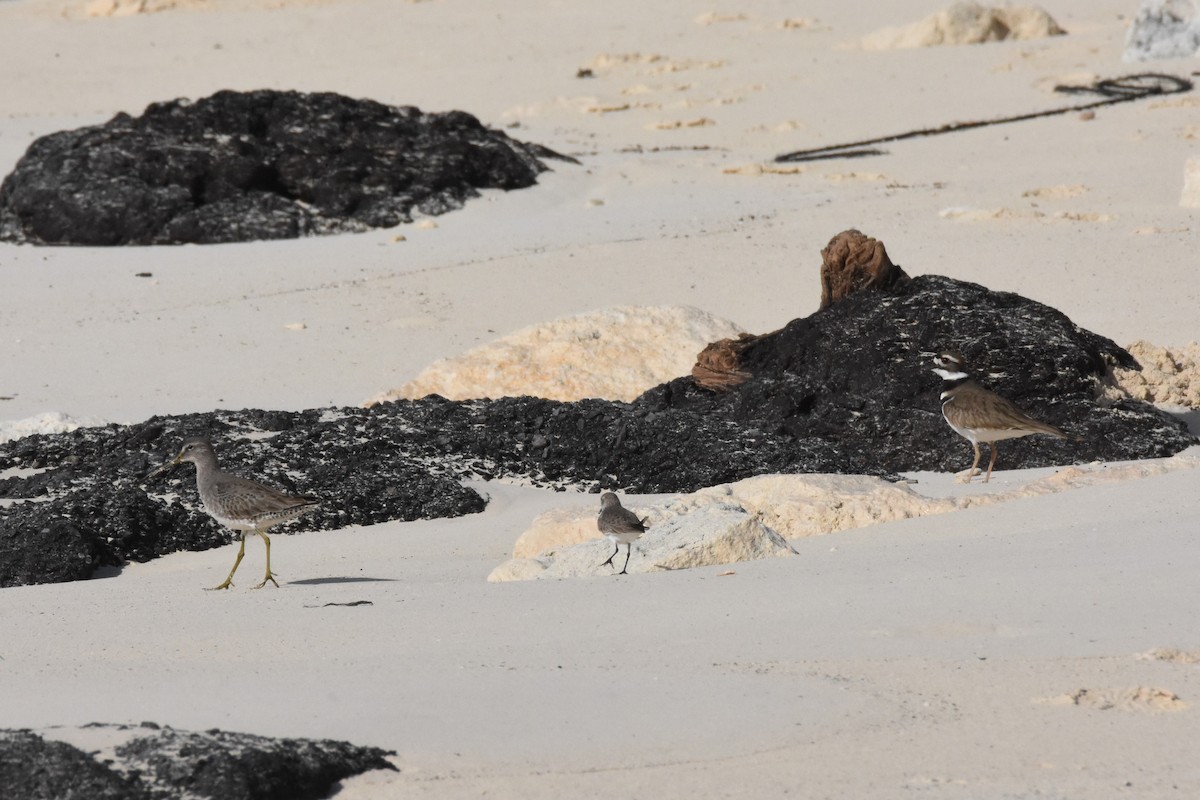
(321, 581)
(1189, 417)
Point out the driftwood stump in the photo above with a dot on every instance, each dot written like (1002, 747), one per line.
(853, 261)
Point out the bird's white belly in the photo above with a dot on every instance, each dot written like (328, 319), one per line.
(976, 435)
(995, 435)
(232, 524)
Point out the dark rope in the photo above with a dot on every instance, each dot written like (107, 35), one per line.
(1113, 90)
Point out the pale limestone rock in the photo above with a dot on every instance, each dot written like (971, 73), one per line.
(967, 23)
(754, 517)
(812, 505)
(614, 353)
(791, 505)
(560, 527)
(518, 569)
(1190, 197)
(717, 533)
(49, 422)
(1170, 376)
(1163, 29)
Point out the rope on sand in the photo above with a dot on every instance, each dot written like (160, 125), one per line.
(1113, 90)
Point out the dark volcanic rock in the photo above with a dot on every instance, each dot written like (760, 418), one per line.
(221, 765)
(848, 389)
(156, 763)
(32, 768)
(90, 506)
(396, 461)
(857, 374)
(245, 166)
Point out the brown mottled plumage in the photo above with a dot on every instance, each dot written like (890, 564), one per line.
(979, 415)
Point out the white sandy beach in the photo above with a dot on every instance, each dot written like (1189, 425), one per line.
(999, 651)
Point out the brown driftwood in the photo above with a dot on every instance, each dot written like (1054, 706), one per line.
(717, 367)
(853, 261)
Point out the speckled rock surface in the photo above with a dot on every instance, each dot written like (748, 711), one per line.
(846, 390)
(247, 166)
(150, 762)
(858, 374)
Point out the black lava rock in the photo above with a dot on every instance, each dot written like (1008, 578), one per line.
(858, 374)
(245, 166)
(91, 505)
(160, 763)
(848, 390)
(32, 768)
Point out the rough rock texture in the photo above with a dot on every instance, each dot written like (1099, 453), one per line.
(562, 527)
(153, 763)
(718, 367)
(612, 353)
(1170, 376)
(32, 768)
(1163, 29)
(394, 461)
(84, 530)
(968, 23)
(48, 422)
(858, 374)
(714, 534)
(792, 506)
(852, 262)
(245, 166)
(814, 505)
(846, 390)
(222, 765)
(89, 505)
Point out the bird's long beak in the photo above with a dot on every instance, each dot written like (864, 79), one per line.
(167, 467)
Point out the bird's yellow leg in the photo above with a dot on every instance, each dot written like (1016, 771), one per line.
(270, 576)
(229, 580)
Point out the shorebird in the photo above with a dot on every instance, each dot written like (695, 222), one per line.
(979, 415)
(238, 503)
(620, 526)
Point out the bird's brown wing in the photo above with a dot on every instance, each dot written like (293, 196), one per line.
(619, 519)
(241, 498)
(989, 411)
(632, 520)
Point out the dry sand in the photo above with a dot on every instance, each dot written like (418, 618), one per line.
(989, 652)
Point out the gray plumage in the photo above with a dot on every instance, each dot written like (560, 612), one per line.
(238, 503)
(620, 526)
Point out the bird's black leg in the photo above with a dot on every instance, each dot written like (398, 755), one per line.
(610, 558)
(628, 551)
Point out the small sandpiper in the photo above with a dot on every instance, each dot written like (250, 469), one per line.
(238, 503)
(620, 526)
(980, 415)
